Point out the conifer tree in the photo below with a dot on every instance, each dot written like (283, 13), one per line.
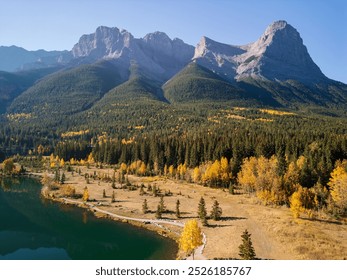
(104, 193)
(178, 212)
(216, 212)
(158, 213)
(246, 248)
(57, 176)
(162, 205)
(142, 191)
(145, 207)
(202, 213)
(113, 199)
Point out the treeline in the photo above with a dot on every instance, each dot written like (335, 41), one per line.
(321, 149)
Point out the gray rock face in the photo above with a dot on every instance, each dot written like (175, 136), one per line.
(218, 57)
(104, 43)
(155, 53)
(279, 54)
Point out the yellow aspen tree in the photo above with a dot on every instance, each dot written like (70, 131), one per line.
(291, 177)
(85, 196)
(225, 171)
(296, 206)
(178, 173)
(183, 170)
(62, 163)
(8, 166)
(301, 162)
(338, 187)
(51, 158)
(196, 175)
(171, 170)
(191, 237)
(123, 167)
(143, 169)
(247, 175)
(90, 159)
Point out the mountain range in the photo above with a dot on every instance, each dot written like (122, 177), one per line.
(110, 67)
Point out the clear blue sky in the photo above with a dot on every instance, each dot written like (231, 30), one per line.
(51, 24)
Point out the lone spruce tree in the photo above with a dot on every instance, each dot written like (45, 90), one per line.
(145, 207)
(216, 212)
(158, 213)
(246, 248)
(202, 213)
(178, 212)
(162, 205)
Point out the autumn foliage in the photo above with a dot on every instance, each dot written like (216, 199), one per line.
(191, 237)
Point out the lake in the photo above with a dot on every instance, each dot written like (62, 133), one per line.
(34, 228)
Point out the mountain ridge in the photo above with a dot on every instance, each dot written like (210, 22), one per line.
(276, 71)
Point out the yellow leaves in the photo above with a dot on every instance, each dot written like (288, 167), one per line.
(338, 186)
(276, 112)
(90, 159)
(62, 163)
(191, 237)
(247, 177)
(171, 170)
(8, 166)
(142, 169)
(74, 133)
(296, 206)
(196, 175)
(123, 167)
(218, 173)
(181, 170)
(260, 175)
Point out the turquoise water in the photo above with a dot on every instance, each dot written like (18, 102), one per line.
(32, 227)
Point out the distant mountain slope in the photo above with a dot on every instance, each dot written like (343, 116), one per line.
(195, 82)
(68, 92)
(15, 58)
(13, 84)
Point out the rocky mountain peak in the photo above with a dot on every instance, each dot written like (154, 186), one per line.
(279, 54)
(104, 42)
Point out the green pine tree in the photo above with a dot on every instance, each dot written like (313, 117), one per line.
(158, 213)
(246, 248)
(178, 212)
(142, 191)
(162, 205)
(62, 179)
(113, 199)
(202, 213)
(145, 207)
(216, 212)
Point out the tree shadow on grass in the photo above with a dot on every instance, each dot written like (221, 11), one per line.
(232, 218)
(322, 221)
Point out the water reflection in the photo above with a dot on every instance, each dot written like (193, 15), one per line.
(35, 228)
